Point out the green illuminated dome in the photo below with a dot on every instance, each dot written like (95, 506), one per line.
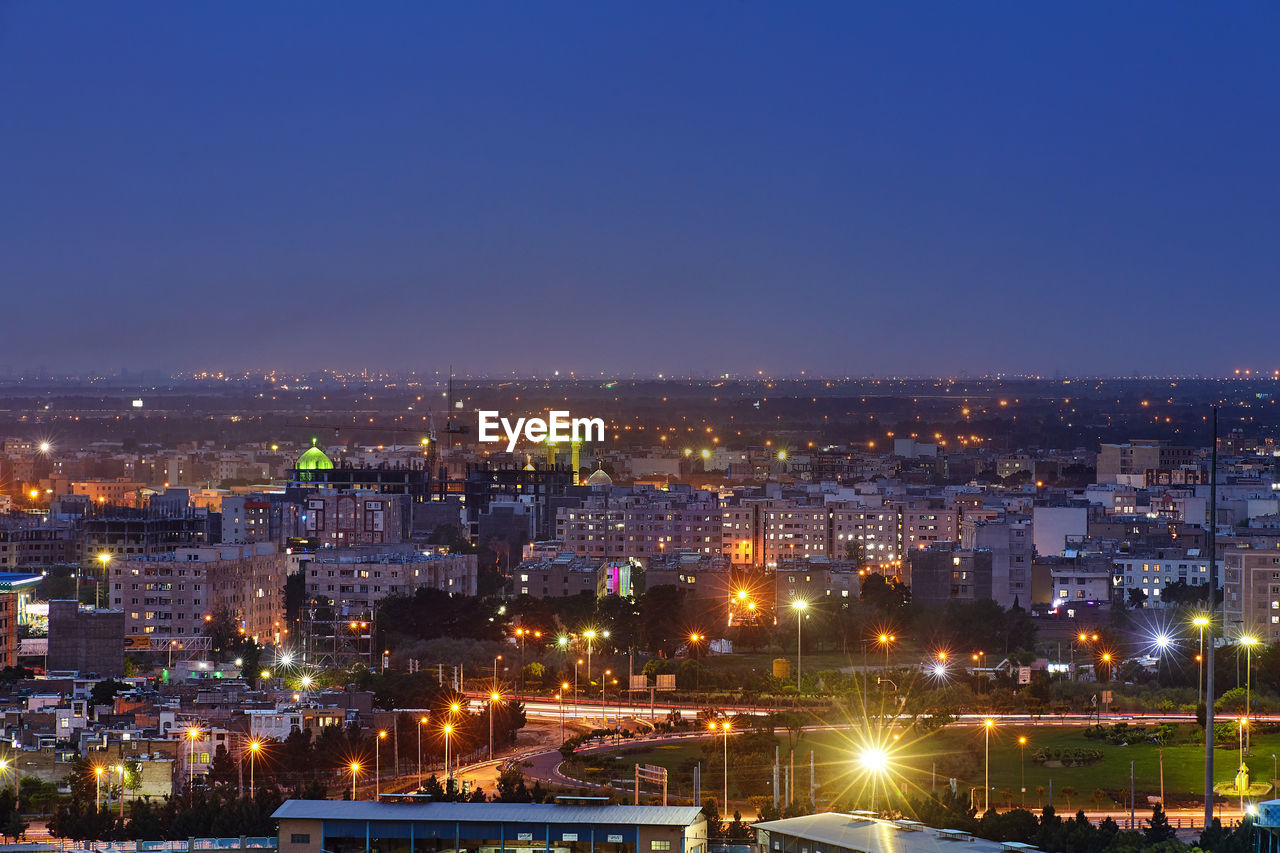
(599, 478)
(313, 459)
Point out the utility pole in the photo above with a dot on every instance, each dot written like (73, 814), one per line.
(1212, 548)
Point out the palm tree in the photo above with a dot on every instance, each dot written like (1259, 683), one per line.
(1098, 797)
(1040, 797)
(1067, 791)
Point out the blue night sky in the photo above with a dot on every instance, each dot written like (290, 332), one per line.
(845, 188)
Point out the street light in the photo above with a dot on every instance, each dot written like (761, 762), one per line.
(590, 634)
(800, 606)
(1022, 747)
(886, 640)
(97, 797)
(255, 746)
(421, 723)
(377, 765)
(448, 732)
(1248, 641)
(104, 559)
(193, 734)
(494, 699)
(987, 725)
(354, 767)
(1201, 622)
(725, 726)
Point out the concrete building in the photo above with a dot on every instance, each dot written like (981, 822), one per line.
(1052, 525)
(944, 572)
(15, 589)
(646, 523)
(1150, 573)
(85, 640)
(173, 595)
(560, 576)
(1137, 457)
(1251, 593)
(313, 826)
(1085, 578)
(344, 519)
(356, 580)
(791, 531)
(815, 580)
(1012, 554)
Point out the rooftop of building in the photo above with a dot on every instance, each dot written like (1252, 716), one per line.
(532, 813)
(866, 834)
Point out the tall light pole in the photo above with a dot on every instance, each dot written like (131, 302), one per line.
(193, 734)
(987, 725)
(1022, 747)
(97, 797)
(422, 722)
(590, 634)
(1248, 641)
(576, 664)
(104, 559)
(886, 640)
(377, 765)
(1200, 622)
(800, 606)
(255, 746)
(694, 639)
(494, 699)
(355, 771)
(448, 730)
(723, 725)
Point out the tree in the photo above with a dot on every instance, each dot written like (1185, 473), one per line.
(1137, 598)
(512, 788)
(663, 618)
(1158, 828)
(1068, 792)
(104, 692)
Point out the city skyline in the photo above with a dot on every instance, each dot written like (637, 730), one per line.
(839, 189)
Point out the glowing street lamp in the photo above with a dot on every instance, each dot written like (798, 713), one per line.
(448, 731)
(1248, 641)
(104, 560)
(1201, 622)
(724, 726)
(377, 765)
(875, 763)
(800, 606)
(1022, 747)
(97, 798)
(255, 746)
(590, 635)
(886, 640)
(494, 698)
(354, 767)
(193, 735)
(421, 723)
(987, 725)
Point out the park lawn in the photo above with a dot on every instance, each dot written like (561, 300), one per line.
(838, 769)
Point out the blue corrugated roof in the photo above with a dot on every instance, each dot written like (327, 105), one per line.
(490, 812)
(10, 580)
